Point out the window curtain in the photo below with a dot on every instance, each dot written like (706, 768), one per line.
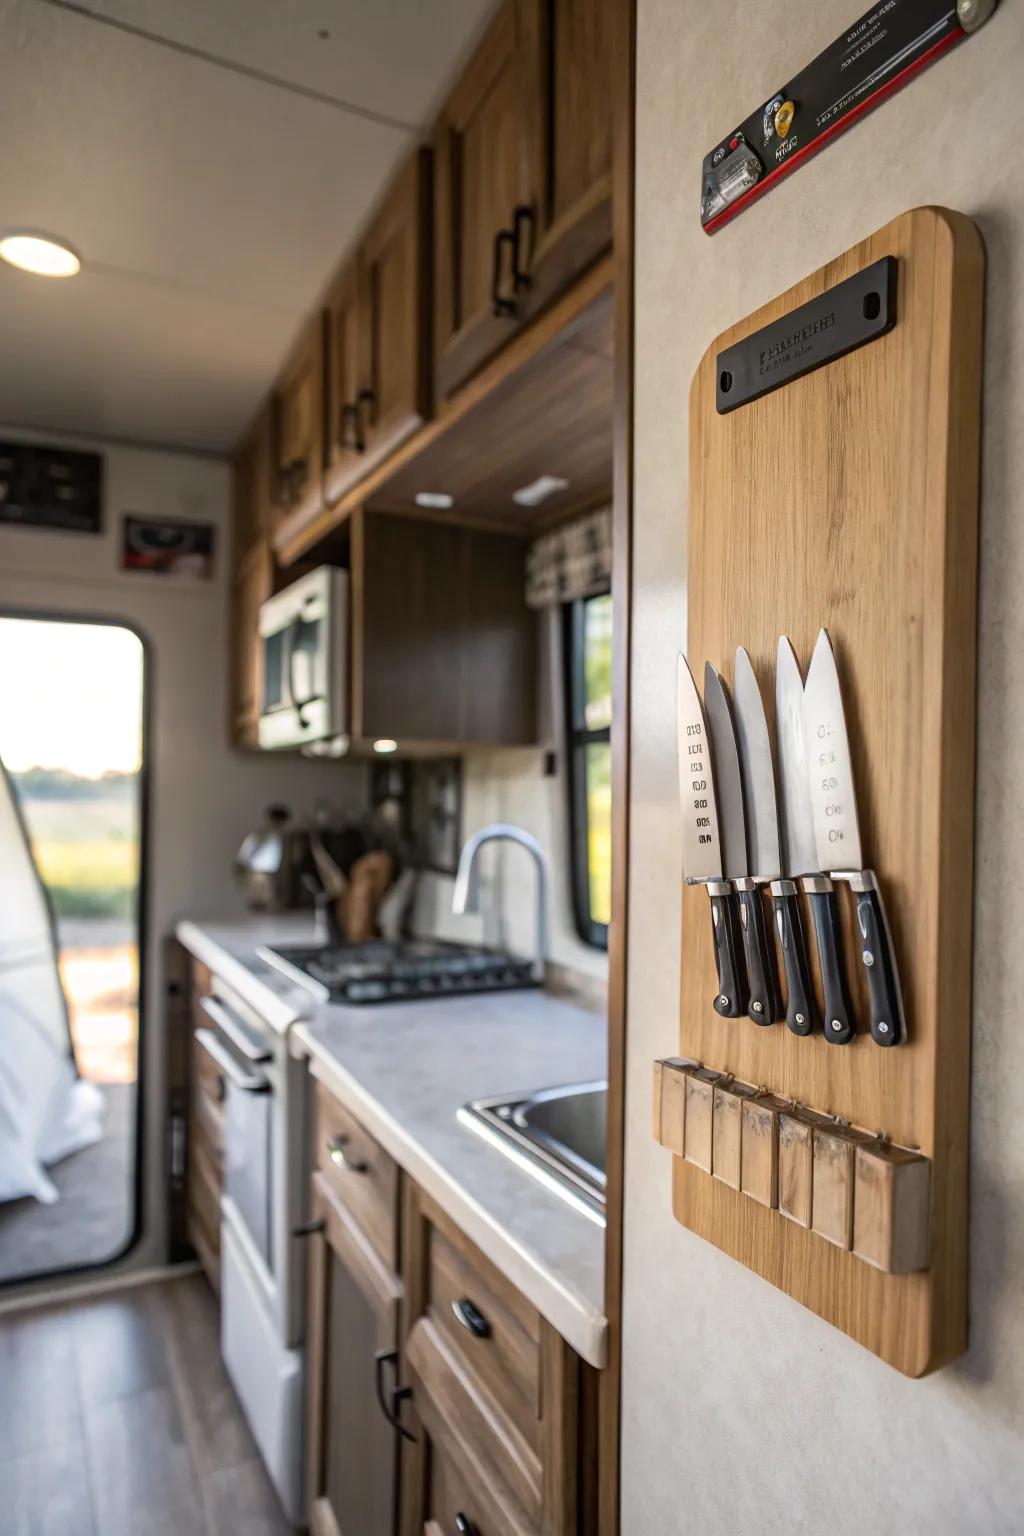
(570, 562)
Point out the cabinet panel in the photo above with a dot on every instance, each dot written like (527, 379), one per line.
(478, 184)
(353, 1314)
(440, 614)
(360, 1172)
(252, 585)
(300, 400)
(568, 47)
(344, 311)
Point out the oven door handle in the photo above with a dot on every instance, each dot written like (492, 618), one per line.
(248, 1082)
(229, 1024)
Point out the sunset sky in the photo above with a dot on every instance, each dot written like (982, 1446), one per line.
(70, 697)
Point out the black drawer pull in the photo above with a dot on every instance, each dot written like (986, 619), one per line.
(340, 1158)
(471, 1318)
(464, 1525)
(499, 304)
(309, 1228)
(390, 1403)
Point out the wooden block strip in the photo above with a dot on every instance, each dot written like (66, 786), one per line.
(892, 1208)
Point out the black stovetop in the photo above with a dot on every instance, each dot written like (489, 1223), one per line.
(382, 972)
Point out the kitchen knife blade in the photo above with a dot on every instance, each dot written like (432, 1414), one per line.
(765, 860)
(798, 850)
(759, 784)
(764, 1005)
(801, 851)
(702, 848)
(837, 837)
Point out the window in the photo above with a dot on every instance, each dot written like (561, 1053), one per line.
(588, 651)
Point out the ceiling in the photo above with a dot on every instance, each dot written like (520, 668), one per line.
(210, 162)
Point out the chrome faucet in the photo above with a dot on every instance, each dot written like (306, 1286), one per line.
(466, 896)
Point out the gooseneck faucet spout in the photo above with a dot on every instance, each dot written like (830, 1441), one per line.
(466, 895)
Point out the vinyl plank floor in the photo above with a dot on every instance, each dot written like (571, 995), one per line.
(215, 1428)
(117, 1418)
(47, 1493)
(241, 1499)
(39, 1404)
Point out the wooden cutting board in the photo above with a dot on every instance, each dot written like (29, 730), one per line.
(848, 498)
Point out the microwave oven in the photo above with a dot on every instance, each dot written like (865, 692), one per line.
(304, 664)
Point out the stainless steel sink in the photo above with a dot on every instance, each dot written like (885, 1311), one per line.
(556, 1134)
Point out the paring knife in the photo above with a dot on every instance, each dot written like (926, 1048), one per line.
(765, 1005)
(837, 837)
(801, 844)
(702, 847)
(763, 845)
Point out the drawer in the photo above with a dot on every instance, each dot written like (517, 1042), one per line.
(489, 1326)
(452, 1498)
(359, 1172)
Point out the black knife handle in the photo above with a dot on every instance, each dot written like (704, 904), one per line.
(731, 998)
(765, 1001)
(801, 1004)
(839, 1028)
(887, 1022)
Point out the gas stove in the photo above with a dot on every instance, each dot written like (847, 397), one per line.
(382, 972)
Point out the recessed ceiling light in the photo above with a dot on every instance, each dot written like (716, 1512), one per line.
(42, 254)
(438, 499)
(539, 490)
(385, 744)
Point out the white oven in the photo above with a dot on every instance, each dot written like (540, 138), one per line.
(304, 646)
(262, 1255)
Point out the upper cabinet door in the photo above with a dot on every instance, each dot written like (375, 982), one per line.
(479, 182)
(568, 50)
(378, 331)
(300, 425)
(346, 447)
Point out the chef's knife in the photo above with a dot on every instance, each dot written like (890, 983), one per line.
(702, 847)
(799, 858)
(763, 843)
(837, 837)
(765, 1005)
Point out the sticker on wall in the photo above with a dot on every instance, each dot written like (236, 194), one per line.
(168, 546)
(54, 488)
(873, 58)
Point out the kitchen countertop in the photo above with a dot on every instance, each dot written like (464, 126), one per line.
(405, 1069)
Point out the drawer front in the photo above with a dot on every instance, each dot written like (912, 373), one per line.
(491, 1328)
(360, 1173)
(453, 1504)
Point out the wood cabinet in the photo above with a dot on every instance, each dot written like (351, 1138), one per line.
(495, 1392)
(568, 48)
(299, 403)
(378, 333)
(252, 572)
(352, 1360)
(440, 1402)
(204, 1176)
(522, 176)
(444, 647)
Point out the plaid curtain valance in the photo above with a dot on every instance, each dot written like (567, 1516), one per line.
(570, 562)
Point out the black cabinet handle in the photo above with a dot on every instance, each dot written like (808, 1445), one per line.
(350, 418)
(471, 1318)
(523, 221)
(499, 305)
(340, 1158)
(390, 1402)
(368, 398)
(464, 1525)
(309, 1228)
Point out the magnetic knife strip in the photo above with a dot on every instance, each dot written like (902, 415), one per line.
(850, 1187)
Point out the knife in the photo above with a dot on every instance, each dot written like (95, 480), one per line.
(837, 837)
(765, 861)
(702, 847)
(800, 858)
(765, 1005)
